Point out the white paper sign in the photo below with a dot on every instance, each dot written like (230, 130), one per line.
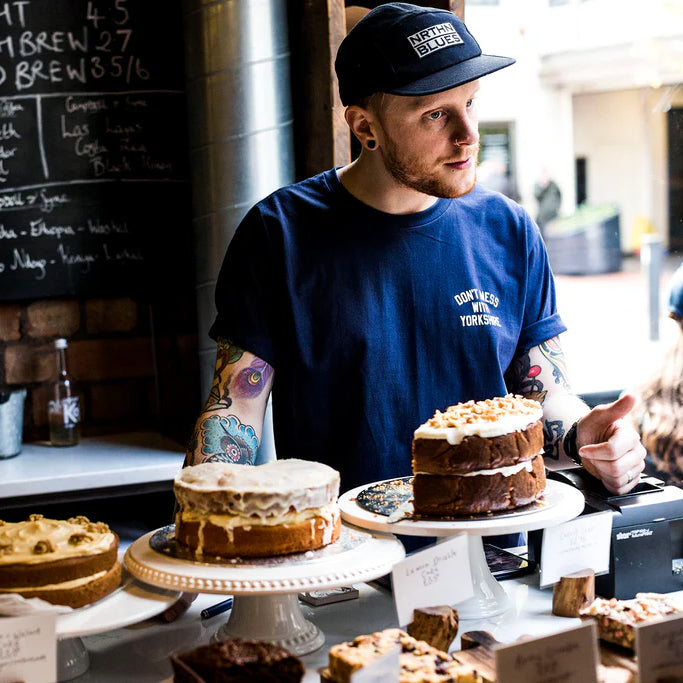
(439, 575)
(582, 543)
(659, 649)
(28, 649)
(384, 669)
(568, 657)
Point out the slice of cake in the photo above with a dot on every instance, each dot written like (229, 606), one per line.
(479, 456)
(419, 662)
(237, 661)
(616, 619)
(231, 510)
(65, 562)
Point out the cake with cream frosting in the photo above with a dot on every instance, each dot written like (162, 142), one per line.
(280, 507)
(479, 456)
(65, 562)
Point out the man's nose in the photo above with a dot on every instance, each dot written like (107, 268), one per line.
(465, 132)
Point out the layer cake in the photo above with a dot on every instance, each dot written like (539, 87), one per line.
(479, 456)
(283, 506)
(65, 562)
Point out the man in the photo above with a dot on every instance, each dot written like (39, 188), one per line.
(369, 296)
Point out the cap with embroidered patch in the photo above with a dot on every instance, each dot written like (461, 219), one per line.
(405, 49)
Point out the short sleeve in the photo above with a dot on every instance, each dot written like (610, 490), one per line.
(541, 320)
(244, 290)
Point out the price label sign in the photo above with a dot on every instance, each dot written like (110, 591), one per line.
(570, 657)
(384, 669)
(659, 649)
(28, 648)
(582, 543)
(439, 575)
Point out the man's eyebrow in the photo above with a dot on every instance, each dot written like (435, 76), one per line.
(426, 101)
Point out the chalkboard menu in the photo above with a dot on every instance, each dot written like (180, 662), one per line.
(94, 191)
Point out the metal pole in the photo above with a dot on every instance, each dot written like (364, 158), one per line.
(651, 266)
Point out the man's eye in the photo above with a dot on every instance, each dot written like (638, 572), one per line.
(435, 115)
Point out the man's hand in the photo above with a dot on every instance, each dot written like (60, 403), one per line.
(609, 447)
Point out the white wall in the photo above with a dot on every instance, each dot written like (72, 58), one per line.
(622, 138)
(589, 81)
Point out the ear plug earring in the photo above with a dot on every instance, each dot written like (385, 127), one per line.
(371, 144)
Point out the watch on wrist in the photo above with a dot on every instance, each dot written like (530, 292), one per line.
(571, 450)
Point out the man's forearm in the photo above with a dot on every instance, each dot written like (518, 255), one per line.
(230, 425)
(222, 437)
(541, 374)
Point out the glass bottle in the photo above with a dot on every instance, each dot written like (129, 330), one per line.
(64, 409)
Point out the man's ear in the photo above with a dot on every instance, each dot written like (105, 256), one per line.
(362, 125)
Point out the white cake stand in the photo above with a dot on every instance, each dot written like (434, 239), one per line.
(266, 590)
(131, 603)
(560, 503)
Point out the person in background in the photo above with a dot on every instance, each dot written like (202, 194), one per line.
(549, 200)
(368, 296)
(658, 413)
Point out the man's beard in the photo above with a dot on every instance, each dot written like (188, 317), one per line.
(417, 177)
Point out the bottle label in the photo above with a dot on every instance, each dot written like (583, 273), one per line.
(68, 408)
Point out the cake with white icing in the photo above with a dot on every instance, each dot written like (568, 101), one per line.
(65, 562)
(280, 507)
(479, 456)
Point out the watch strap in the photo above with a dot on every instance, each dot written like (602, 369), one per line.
(571, 450)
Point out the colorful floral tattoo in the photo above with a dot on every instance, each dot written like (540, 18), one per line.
(247, 383)
(226, 439)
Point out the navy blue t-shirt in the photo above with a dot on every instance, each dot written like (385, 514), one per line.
(372, 321)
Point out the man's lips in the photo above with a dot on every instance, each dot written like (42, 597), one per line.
(459, 165)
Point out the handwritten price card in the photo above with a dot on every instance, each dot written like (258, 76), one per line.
(439, 575)
(384, 669)
(28, 648)
(659, 646)
(582, 543)
(570, 657)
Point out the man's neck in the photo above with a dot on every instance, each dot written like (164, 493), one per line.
(369, 182)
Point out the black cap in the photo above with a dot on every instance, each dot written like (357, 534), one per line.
(405, 49)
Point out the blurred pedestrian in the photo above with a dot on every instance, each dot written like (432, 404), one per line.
(549, 198)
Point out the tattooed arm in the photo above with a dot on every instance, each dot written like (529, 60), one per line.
(541, 374)
(609, 448)
(230, 426)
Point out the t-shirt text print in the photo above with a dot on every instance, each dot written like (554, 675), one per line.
(477, 308)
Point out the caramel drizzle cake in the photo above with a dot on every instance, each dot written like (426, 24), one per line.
(280, 507)
(616, 619)
(479, 456)
(65, 562)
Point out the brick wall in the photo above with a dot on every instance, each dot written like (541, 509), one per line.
(135, 364)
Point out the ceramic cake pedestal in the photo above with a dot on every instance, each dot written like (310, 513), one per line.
(560, 503)
(265, 590)
(131, 603)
